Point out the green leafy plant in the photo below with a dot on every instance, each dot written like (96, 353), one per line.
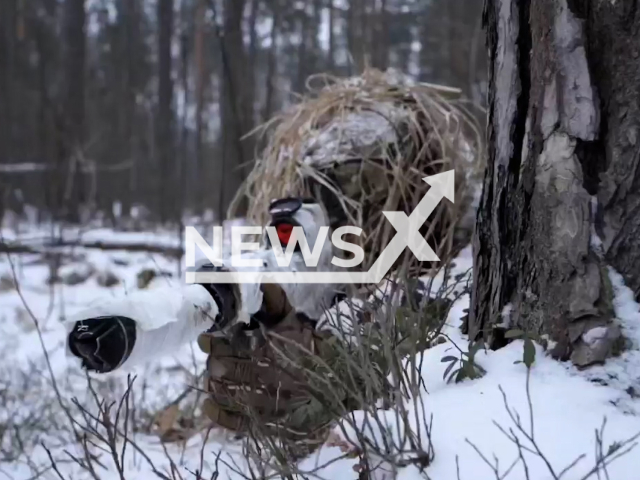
(529, 351)
(465, 367)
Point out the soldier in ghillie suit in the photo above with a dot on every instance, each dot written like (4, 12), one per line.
(360, 147)
(269, 369)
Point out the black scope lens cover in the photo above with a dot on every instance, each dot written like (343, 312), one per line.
(103, 343)
(284, 207)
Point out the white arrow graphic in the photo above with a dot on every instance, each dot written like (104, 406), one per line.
(407, 235)
(407, 228)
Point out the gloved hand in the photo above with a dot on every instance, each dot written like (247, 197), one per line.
(103, 343)
(258, 374)
(263, 381)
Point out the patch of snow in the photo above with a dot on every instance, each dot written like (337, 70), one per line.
(626, 308)
(566, 411)
(342, 318)
(505, 315)
(595, 240)
(354, 131)
(622, 373)
(591, 337)
(567, 406)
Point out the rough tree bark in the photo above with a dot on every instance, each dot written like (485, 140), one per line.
(560, 193)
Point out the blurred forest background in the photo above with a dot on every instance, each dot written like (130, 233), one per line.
(113, 108)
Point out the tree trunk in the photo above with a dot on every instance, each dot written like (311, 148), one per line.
(127, 16)
(561, 185)
(272, 63)
(8, 22)
(233, 103)
(380, 43)
(199, 58)
(303, 51)
(252, 59)
(331, 54)
(355, 36)
(164, 122)
(74, 108)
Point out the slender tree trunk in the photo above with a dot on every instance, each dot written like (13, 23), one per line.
(135, 80)
(8, 19)
(48, 58)
(331, 54)
(317, 60)
(355, 36)
(43, 93)
(562, 183)
(126, 92)
(303, 51)
(164, 121)
(272, 64)
(234, 122)
(7, 35)
(380, 42)
(199, 92)
(184, 168)
(74, 108)
(251, 69)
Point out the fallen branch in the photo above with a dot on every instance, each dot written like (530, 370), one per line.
(169, 251)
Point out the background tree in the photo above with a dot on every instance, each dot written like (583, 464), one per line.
(164, 133)
(561, 188)
(155, 99)
(71, 136)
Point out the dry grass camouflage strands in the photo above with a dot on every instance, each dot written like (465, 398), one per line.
(362, 146)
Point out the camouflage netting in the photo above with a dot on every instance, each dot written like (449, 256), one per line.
(362, 145)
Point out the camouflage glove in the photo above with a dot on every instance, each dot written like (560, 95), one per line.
(258, 379)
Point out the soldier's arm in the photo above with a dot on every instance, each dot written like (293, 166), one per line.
(130, 329)
(143, 325)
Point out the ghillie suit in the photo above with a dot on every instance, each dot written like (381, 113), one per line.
(359, 147)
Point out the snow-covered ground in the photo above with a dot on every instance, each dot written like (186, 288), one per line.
(470, 419)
